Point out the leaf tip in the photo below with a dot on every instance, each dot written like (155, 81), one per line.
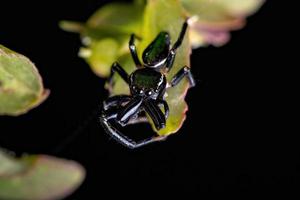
(71, 26)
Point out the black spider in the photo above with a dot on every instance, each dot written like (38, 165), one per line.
(147, 85)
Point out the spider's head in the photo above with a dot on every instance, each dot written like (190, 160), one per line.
(147, 83)
(155, 55)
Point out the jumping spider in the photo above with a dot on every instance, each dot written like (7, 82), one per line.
(147, 85)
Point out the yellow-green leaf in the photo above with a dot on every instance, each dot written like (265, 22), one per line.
(111, 27)
(106, 34)
(38, 177)
(123, 17)
(156, 20)
(120, 86)
(100, 55)
(21, 87)
(209, 20)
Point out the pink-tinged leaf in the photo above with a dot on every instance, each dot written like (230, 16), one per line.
(212, 20)
(38, 177)
(21, 87)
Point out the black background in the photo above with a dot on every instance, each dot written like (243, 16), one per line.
(232, 139)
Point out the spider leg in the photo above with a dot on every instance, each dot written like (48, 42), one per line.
(185, 71)
(181, 36)
(120, 137)
(133, 51)
(144, 119)
(140, 117)
(166, 107)
(129, 110)
(171, 56)
(116, 67)
(155, 113)
(116, 101)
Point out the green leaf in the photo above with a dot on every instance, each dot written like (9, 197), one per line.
(156, 20)
(106, 34)
(214, 19)
(38, 177)
(120, 86)
(9, 166)
(100, 55)
(122, 17)
(21, 87)
(104, 47)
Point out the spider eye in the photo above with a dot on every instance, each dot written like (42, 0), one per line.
(149, 92)
(134, 88)
(141, 91)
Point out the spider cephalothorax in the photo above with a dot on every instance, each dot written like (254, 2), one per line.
(147, 82)
(147, 85)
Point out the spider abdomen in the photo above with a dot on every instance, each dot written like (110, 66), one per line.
(158, 50)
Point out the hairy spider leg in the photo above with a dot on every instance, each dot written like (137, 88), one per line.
(185, 71)
(172, 54)
(133, 51)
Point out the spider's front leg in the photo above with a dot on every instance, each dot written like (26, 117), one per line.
(166, 107)
(131, 109)
(108, 115)
(157, 116)
(114, 132)
(123, 139)
(144, 119)
(116, 101)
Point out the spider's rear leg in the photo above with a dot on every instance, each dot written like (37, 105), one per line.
(116, 67)
(185, 71)
(172, 54)
(133, 51)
